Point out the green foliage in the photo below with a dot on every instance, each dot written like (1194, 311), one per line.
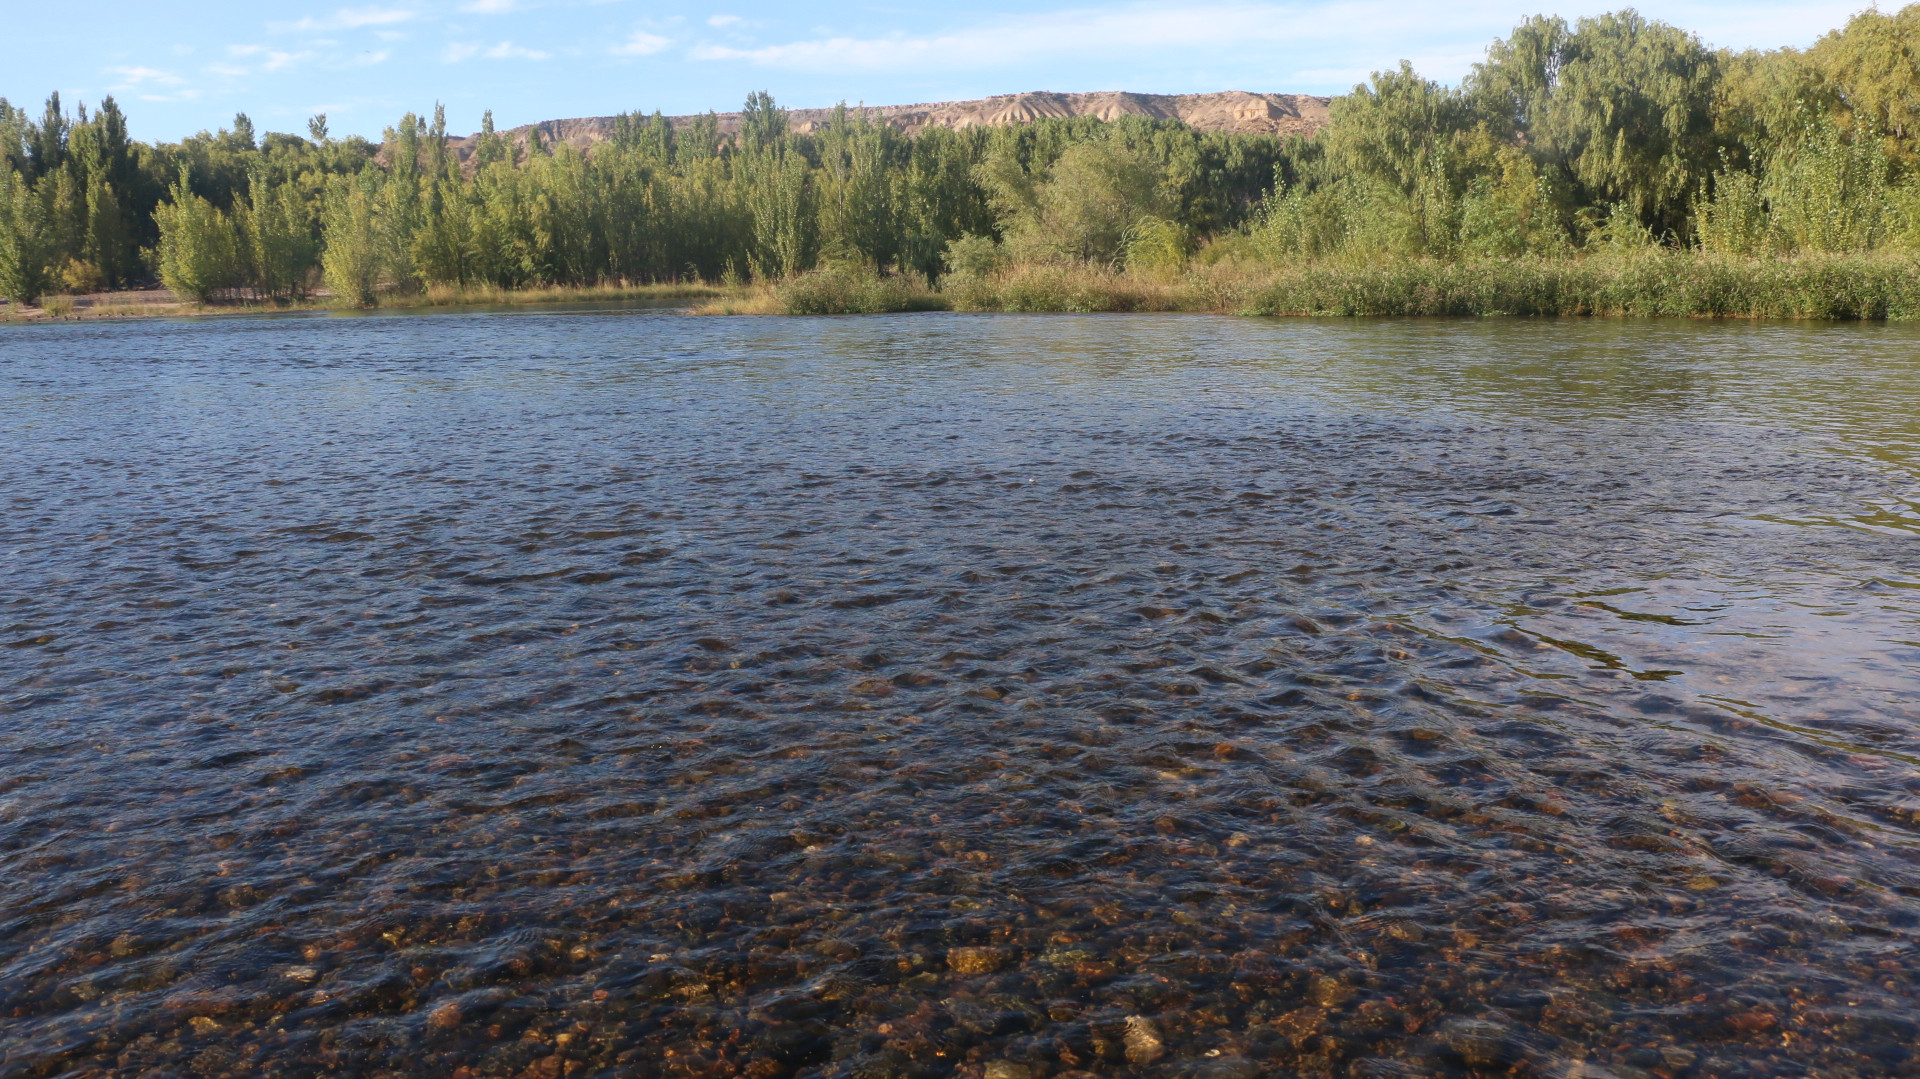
(1621, 107)
(199, 249)
(1156, 245)
(1827, 191)
(780, 197)
(1083, 207)
(851, 292)
(1733, 219)
(24, 244)
(973, 255)
(355, 240)
(277, 245)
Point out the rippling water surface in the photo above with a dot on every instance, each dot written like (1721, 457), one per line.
(624, 693)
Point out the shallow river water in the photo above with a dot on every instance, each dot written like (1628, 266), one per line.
(620, 693)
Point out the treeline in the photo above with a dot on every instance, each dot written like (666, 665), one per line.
(1612, 133)
(279, 216)
(1619, 132)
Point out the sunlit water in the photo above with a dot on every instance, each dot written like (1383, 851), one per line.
(624, 693)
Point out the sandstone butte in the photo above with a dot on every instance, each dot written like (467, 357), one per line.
(1235, 111)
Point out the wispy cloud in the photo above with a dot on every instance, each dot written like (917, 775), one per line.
(490, 7)
(1335, 37)
(1146, 30)
(641, 44)
(354, 19)
(140, 76)
(506, 50)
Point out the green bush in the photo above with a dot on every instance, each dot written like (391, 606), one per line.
(844, 292)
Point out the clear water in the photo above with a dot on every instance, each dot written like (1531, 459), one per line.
(615, 692)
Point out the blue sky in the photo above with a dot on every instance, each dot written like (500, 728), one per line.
(180, 68)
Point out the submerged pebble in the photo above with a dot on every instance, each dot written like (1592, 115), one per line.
(620, 694)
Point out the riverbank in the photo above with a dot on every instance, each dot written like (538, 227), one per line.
(1648, 284)
(1875, 287)
(161, 303)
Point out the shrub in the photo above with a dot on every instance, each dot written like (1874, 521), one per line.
(847, 292)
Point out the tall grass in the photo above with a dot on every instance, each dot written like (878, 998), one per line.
(1651, 282)
(830, 292)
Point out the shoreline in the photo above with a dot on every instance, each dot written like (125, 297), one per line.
(133, 304)
(1862, 288)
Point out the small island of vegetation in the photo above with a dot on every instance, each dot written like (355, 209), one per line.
(1612, 166)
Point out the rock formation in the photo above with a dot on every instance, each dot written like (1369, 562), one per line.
(1234, 111)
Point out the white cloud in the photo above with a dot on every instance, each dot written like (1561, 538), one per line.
(229, 70)
(489, 7)
(1338, 38)
(723, 20)
(368, 59)
(277, 60)
(138, 76)
(641, 44)
(506, 50)
(245, 50)
(354, 19)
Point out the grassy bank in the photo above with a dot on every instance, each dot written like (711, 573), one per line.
(1855, 287)
(1647, 284)
(159, 303)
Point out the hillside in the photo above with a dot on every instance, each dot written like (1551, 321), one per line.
(1235, 111)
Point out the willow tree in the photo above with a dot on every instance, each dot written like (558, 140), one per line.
(1623, 106)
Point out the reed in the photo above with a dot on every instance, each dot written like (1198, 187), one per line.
(830, 292)
(449, 295)
(1877, 286)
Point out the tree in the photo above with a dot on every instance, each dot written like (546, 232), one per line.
(762, 123)
(24, 246)
(1623, 106)
(276, 235)
(351, 261)
(1083, 208)
(199, 252)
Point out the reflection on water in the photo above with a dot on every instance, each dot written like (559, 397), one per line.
(630, 694)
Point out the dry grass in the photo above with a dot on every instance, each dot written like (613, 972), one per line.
(485, 295)
(146, 305)
(754, 300)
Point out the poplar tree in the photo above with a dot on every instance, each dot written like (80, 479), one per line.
(24, 247)
(199, 250)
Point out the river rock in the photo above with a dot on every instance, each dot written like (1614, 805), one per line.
(1143, 1041)
(975, 960)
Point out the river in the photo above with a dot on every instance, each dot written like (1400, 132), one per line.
(607, 691)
